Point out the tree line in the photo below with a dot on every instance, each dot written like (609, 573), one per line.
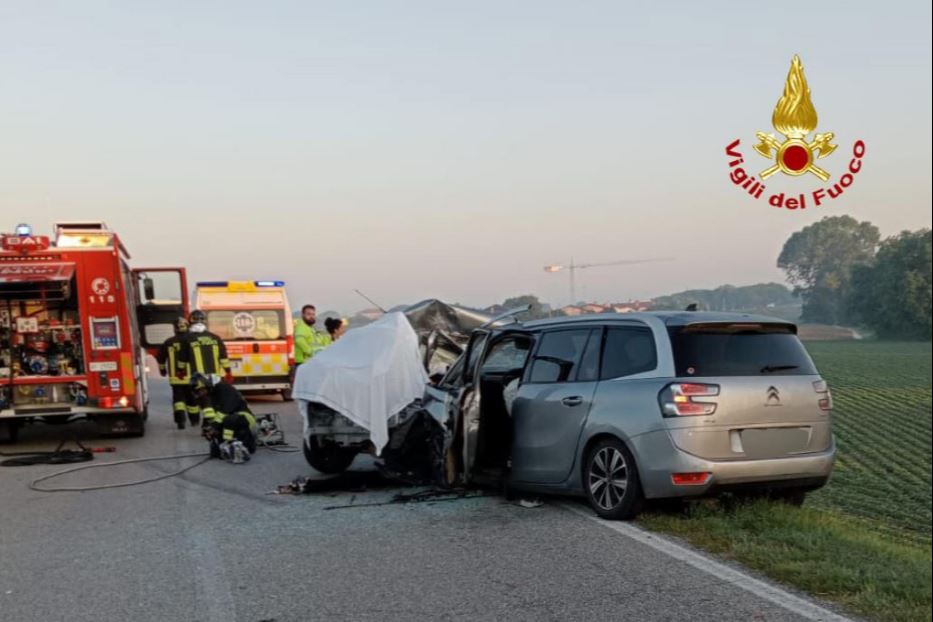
(846, 274)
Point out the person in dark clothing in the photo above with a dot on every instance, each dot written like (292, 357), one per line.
(206, 353)
(229, 425)
(173, 363)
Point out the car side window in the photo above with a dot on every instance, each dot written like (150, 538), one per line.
(558, 355)
(506, 356)
(628, 350)
(589, 364)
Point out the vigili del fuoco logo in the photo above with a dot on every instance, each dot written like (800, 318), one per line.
(791, 153)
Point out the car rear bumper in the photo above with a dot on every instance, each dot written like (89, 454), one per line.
(658, 459)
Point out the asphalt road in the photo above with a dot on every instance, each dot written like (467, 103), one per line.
(211, 544)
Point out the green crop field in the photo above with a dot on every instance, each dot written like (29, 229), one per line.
(882, 422)
(863, 541)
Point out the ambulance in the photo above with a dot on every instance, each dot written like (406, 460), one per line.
(255, 322)
(76, 323)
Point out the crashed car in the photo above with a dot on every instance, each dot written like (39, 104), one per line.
(363, 393)
(620, 408)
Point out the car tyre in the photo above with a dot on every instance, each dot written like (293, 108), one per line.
(610, 480)
(326, 457)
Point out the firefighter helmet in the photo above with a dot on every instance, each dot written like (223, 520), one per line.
(197, 317)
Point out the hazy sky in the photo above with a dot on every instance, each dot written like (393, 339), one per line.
(441, 149)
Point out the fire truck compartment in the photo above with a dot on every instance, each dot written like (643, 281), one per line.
(42, 357)
(75, 323)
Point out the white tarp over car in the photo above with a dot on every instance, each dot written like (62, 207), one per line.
(368, 375)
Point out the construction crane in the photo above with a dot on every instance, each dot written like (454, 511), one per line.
(573, 267)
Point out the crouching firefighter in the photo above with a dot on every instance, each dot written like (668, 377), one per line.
(173, 363)
(228, 425)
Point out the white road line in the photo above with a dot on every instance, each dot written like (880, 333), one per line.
(776, 595)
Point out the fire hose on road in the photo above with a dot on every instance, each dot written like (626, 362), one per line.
(271, 437)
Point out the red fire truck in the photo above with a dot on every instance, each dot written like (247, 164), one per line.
(75, 325)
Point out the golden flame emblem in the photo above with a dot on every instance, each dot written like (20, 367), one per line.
(795, 117)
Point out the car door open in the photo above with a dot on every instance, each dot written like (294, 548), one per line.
(552, 404)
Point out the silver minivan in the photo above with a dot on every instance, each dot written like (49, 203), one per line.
(621, 408)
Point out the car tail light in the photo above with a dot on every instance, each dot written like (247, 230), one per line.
(680, 399)
(690, 479)
(826, 396)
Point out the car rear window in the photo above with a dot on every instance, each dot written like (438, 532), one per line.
(739, 350)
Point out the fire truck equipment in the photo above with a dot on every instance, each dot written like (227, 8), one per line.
(75, 324)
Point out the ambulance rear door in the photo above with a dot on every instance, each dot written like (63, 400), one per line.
(161, 297)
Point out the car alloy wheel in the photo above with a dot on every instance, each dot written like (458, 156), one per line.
(608, 477)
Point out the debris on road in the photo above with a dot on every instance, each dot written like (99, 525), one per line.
(434, 495)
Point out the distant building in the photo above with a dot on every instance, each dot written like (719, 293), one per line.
(632, 305)
(613, 307)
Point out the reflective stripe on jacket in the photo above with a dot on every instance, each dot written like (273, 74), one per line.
(172, 358)
(207, 354)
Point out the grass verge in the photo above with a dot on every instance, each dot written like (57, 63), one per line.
(863, 541)
(822, 552)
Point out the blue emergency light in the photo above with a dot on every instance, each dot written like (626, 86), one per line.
(23, 230)
(269, 283)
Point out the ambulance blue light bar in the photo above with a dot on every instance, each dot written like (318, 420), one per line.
(269, 283)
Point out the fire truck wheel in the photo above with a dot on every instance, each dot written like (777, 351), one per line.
(137, 425)
(9, 431)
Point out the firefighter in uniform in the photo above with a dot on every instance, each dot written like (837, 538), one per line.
(229, 425)
(207, 354)
(173, 363)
